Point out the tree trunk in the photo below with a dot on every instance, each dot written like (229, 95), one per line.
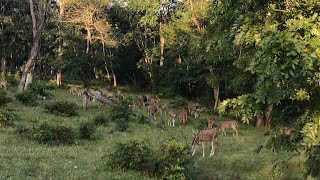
(108, 74)
(85, 101)
(267, 115)
(3, 65)
(162, 41)
(37, 27)
(114, 78)
(259, 120)
(28, 70)
(58, 78)
(216, 97)
(194, 18)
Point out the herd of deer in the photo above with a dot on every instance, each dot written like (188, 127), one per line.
(153, 106)
(78, 90)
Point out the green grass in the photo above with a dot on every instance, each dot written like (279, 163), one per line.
(235, 157)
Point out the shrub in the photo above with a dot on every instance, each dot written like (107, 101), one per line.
(54, 135)
(173, 160)
(120, 113)
(133, 155)
(39, 88)
(8, 118)
(87, 129)
(177, 102)
(27, 98)
(101, 119)
(63, 108)
(4, 100)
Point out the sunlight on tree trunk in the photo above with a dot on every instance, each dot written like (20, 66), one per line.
(216, 97)
(38, 21)
(58, 78)
(114, 78)
(268, 114)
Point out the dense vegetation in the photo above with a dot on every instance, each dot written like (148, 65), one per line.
(256, 61)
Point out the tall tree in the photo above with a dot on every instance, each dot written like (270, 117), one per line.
(39, 11)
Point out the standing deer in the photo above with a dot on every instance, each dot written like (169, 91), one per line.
(152, 110)
(183, 116)
(172, 118)
(202, 136)
(211, 122)
(233, 124)
(284, 130)
(4, 83)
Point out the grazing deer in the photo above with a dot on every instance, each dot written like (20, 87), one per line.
(104, 91)
(4, 83)
(206, 135)
(172, 118)
(284, 130)
(152, 98)
(152, 110)
(211, 123)
(80, 92)
(183, 116)
(73, 90)
(233, 124)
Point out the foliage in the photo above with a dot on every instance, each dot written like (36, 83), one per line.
(40, 88)
(8, 118)
(178, 102)
(4, 100)
(173, 160)
(27, 98)
(313, 162)
(139, 156)
(63, 108)
(101, 119)
(120, 113)
(46, 133)
(133, 155)
(86, 130)
(242, 106)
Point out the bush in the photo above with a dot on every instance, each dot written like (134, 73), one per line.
(54, 135)
(133, 155)
(101, 119)
(173, 160)
(177, 102)
(63, 108)
(27, 98)
(120, 113)
(87, 129)
(4, 100)
(139, 156)
(8, 118)
(39, 88)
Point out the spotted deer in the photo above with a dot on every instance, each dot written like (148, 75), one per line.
(211, 122)
(80, 92)
(183, 116)
(284, 130)
(152, 110)
(3, 83)
(203, 136)
(172, 118)
(152, 98)
(104, 91)
(73, 90)
(233, 124)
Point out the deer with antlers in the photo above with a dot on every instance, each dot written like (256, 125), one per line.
(203, 136)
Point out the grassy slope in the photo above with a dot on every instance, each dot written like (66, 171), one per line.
(235, 158)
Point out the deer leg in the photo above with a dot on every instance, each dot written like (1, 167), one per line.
(212, 150)
(202, 149)
(194, 151)
(173, 120)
